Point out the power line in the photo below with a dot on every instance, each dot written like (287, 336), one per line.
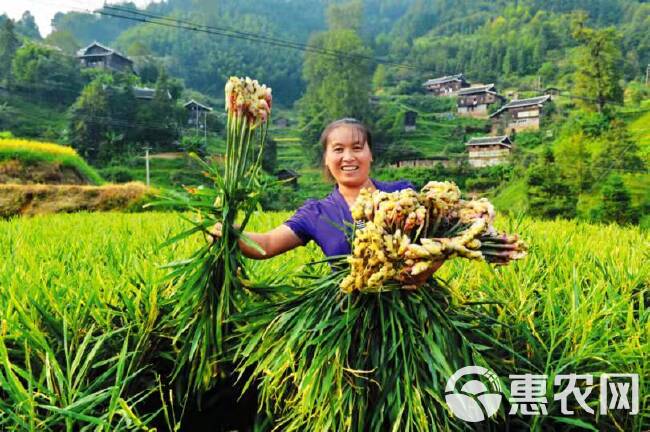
(145, 17)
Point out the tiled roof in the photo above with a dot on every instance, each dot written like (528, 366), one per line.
(109, 51)
(490, 140)
(477, 89)
(198, 104)
(444, 79)
(522, 103)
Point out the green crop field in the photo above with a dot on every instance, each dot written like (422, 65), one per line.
(82, 301)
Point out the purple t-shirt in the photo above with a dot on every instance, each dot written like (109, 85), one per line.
(327, 221)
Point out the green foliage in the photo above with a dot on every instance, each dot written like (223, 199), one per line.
(635, 93)
(619, 151)
(337, 87)
(107, 121)
(616, 203)
(27, 27)
(205, 61)
(46, 72)
(574, 159)
(270, 156)
(193, 144)
(345, 16)
(593, 278)
(65, 40)
(550, 194)
(157, 120)
(490, 177)
(360, 362)
(8, 45)
(88, 125)
(598, 66)
(30, 118)
(87, 28)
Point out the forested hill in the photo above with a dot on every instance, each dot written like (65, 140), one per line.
(509, 42)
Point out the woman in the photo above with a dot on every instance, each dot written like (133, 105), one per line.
(347, 157)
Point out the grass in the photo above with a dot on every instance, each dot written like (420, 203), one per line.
(82, 301)
(28, 151)
(29, 117)
(640, 130)
(512, 197)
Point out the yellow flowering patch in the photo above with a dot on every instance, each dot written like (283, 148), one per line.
(15, 144)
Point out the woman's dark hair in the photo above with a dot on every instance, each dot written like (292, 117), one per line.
(347, 121)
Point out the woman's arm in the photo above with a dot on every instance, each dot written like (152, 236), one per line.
(274, 242)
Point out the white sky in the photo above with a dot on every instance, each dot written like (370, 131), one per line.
(44, 10)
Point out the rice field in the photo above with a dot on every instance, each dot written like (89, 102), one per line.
(82, 299)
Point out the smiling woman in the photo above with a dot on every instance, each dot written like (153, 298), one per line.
(347, 158)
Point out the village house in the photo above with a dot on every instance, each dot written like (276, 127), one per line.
(197, 114)
(100, 56)
(519, 115)
(475, 101)
(488, 151)
(446, 86)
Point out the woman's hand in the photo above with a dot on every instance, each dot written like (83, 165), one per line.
(271, 243)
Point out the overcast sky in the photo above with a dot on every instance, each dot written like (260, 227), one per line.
(44, 10)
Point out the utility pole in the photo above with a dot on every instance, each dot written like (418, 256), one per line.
(146, 159)
(196, 119)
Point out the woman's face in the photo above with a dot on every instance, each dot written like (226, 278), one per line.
(348, 156)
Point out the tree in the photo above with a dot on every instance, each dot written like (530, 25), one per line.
(89, 125)
(65, 40)
(46, 72)
(574, 159)
(337, 85)
(617, 204)
(270, 156)
(619, 150)
(27, 26)
(158, 119)
(379, 78)
(346, 16)
(598, 65)
(8, 45)
(549, 193)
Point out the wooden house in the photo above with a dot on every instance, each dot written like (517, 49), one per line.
(100, 56)
(488, 151)
(446, 86)
(519, 115)
(197, 114)
(475, 101)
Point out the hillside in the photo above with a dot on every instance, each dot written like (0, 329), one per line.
(39, 178)
(511, 196)
(26, 162)
(489, 41)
